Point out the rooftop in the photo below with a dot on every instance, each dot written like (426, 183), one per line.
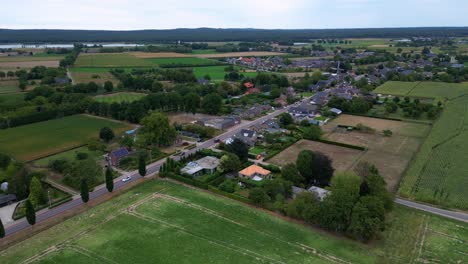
(252, 170)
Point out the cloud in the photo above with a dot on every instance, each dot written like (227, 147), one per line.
(163, 14)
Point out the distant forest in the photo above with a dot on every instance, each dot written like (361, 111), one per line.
(212, 34)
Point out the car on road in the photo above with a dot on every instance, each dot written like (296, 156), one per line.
(217, 140)
(126, 179)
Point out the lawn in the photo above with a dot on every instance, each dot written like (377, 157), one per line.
(438, 173)
(170, 223)
(217, 72)
(68, 155)
(111, 60)
(119, 97)
(41, 139)
(182, 61)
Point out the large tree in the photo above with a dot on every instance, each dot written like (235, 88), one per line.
(108, 86)
(285, 119)
(109, 179)
(84, 190)
(229, 163)
(258, 196)
(2, 229)
(106, 134)
(240, 148)
(368, 218)
(290, 173)
(212, 103)
(36, 193)
(315, 167)
(191, 102)
(142, 165)
(30, 213)
(157, 130)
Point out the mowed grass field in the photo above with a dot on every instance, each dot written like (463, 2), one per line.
(111, 60)
(119, 97)
(439, 172)
(217, 72)
(168, 223)
(41, 139)
(424, 89)
(391, 155)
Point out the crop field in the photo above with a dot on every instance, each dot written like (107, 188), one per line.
(28, 64)
(111, 60)
(170, 223)
(9, 86)
(438, 174)
(217, 72)
(41, 139)
(119, 97)
(424, 89)
(182, 61)
(391, 155)
(343, 158)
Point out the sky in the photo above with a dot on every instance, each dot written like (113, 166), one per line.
(267, 14)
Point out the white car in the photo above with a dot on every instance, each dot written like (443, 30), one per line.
(126, 179)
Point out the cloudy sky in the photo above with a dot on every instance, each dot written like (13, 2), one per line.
(165, 14)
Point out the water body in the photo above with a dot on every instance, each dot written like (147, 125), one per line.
(52, 45)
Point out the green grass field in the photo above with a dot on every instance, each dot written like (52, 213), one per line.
(207, 51)
(181, 61)
(111, 61)
(438, 174)
(217, 72)
(11, 99)
(119, 97)
(41, 139)
(101, 69)
(68, 155)
(170, 223)
(424, 89)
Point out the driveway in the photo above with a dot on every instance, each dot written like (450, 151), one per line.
(6, 213)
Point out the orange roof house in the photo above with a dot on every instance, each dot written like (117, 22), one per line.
(248, 85)
(255, 172)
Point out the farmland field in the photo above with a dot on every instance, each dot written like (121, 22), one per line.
(148, 55)
(97, 75)
(343, 158)
(391, 155)
(29, 64)
(424, 89)
(217, 72)
(240, 54)
(111, 60)
(182, 61)
(30, 58)
(41, 139)
(11, 99)
(119, 97)
(170, 223)
(438, 174)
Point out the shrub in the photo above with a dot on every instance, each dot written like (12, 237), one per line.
(81, 156)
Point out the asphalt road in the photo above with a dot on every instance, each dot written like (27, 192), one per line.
(152, 168)
(460, 216)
